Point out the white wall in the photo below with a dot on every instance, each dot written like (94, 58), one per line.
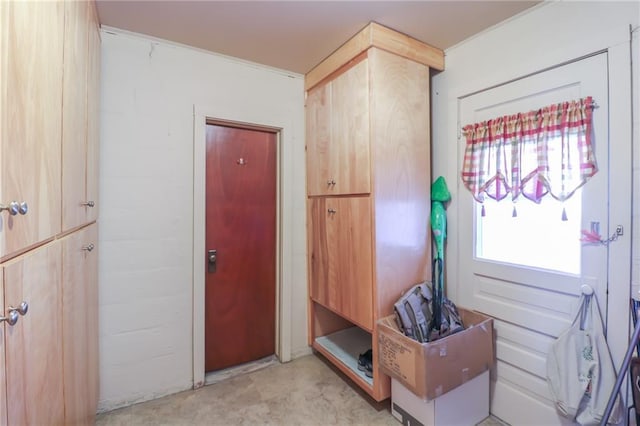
(149, 89)
(546, 36)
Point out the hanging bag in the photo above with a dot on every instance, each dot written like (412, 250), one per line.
(580, 370)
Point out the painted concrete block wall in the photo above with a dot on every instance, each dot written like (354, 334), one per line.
(149, 89)
(548, 35)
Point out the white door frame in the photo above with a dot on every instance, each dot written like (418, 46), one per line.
(267, 120)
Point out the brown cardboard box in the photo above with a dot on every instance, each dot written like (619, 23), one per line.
(433, 369)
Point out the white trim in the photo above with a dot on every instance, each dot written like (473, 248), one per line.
(620, 189)
(267, 119)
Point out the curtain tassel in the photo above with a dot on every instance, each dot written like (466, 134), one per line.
(564, 215)
(514, 213)
(483, 213)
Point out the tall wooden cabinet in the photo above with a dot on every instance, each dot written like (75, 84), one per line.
(30, 146)
(49, 73)
(368, 189)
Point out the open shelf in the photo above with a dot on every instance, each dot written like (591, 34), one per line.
(345, 346)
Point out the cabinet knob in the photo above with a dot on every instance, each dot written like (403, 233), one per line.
(88, 247)
(88, 204)
(22, 309)
(15, 207)
(331, 182)
(332, 211)
(11, 319)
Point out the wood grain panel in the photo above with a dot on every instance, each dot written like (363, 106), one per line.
(3, 378)
(379, 36)
(401, 166)
(74, 114)
(349, 158)
(93, 114)
(325, 322)
(79, 325)
(338, 134)
(406, 47)
(241, 225)
(34, 345)
(318, 135)
(31, 122)
(3, 63)
(341, 268)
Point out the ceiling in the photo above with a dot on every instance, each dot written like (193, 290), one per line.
(297, 35)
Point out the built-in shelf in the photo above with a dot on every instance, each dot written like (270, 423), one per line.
(346, 346)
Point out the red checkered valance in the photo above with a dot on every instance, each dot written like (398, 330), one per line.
(548, 151)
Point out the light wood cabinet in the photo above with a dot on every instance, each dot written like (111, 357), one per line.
(49, 81)
(31, 122)
(340, 239)
(368, 122)
(93, 123)
(338, 134)
(33, 346)
(80, 110)
(74, 125)
(3, 377)
(79, 325)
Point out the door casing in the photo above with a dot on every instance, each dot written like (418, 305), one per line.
(273, 123)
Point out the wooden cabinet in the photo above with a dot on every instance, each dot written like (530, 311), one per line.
(80, 110)
(79, 325)
(3, 379)
(33, 346)
(93, 127)
(49, 81)
(338, 134)
(74, 102)
(31, 40)
(368, 129)
(340, 240)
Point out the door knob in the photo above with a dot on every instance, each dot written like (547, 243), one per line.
(212, 256)
(15, 207)
(21, 309)
(12, 318)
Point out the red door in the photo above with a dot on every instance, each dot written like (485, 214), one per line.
(241, 246)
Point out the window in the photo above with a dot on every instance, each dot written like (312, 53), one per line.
(536, 237)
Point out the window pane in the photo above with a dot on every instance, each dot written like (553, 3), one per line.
(537, 237)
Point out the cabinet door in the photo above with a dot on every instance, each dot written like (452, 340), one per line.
(33, 346)
(93, 128)
(337, 115)
(80, 325)
(340, 256)
(3, 389)
(74, 114)
(30, 145)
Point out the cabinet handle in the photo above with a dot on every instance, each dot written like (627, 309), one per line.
(332, 211)
(12, 318)
(22, 309)
(88, 204)
(331, 182)
(15, 207)
(88, 247)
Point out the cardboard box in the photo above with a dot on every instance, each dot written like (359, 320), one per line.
(465, 405)
(432, 369)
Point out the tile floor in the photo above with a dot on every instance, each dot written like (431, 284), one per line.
(306, 391)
